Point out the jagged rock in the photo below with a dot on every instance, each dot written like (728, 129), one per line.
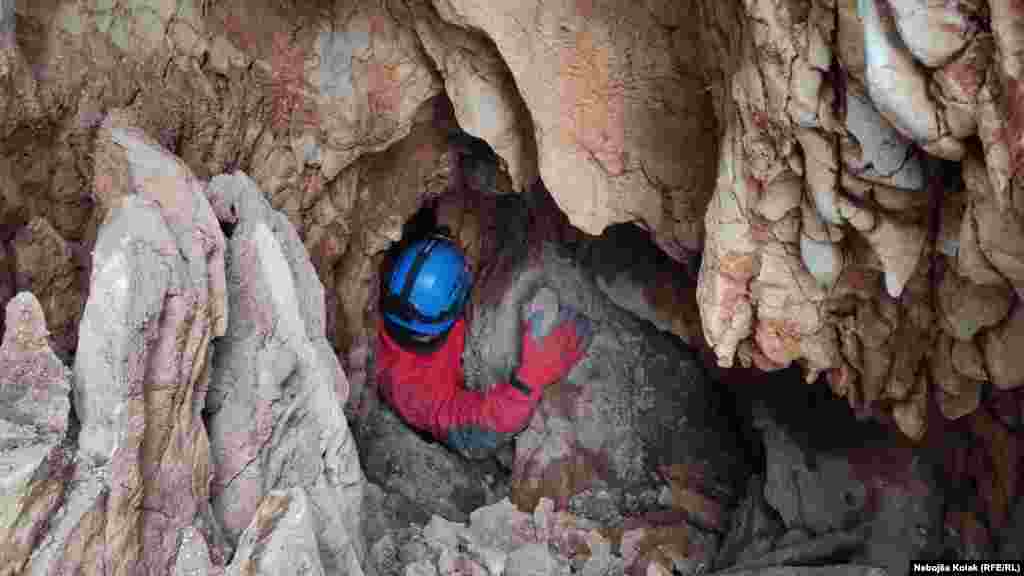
(34, 412)
(499, 539)
(534, 560)
(193, 555)
(898, 86)
(281, 540)
(275, 406)
(155, 302)
(635, 404)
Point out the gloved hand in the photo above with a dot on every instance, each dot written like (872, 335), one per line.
(551, 343)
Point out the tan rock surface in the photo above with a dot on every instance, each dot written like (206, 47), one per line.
(612, 93)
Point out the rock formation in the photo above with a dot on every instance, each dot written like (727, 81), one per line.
(156, 300)
(843, 173)
(275, 404)
(34, 419)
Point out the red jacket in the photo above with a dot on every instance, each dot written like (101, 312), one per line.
(427, 391)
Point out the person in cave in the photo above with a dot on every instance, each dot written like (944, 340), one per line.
(421, 334)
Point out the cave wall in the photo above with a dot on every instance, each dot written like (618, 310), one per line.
(846, 178)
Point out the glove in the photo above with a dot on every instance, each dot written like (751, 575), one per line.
(551, 346)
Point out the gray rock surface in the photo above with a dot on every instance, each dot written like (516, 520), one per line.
(755, 527)
(155, 302)
(281, 540)
(1012, 537)
(34, 412)
(427, 476)
(858, 479)
(275, 405)
(637, 410)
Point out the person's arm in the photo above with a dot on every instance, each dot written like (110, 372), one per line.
(428, 392)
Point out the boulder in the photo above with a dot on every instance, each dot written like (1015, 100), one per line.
(426, 476)
(277, 390)
(636, 415)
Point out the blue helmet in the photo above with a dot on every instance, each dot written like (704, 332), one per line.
(428, 287)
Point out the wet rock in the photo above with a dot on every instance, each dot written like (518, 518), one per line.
(281, 539)
(155, 302)
(636, 403)
(34, 413)
(276, 394)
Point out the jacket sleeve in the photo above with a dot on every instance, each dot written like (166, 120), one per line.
(428, 393)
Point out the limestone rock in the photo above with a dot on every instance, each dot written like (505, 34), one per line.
(1002, 346)
(155, 302)
(897, 85)
(499, 539)
(933, 31)
(277, 389)
(193, 555)
(970, 307)
(602, 119)
(281, 539)
(34, 411)
(486, 101)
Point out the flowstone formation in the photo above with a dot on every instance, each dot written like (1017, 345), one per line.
(864, 222)
(840, 177)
